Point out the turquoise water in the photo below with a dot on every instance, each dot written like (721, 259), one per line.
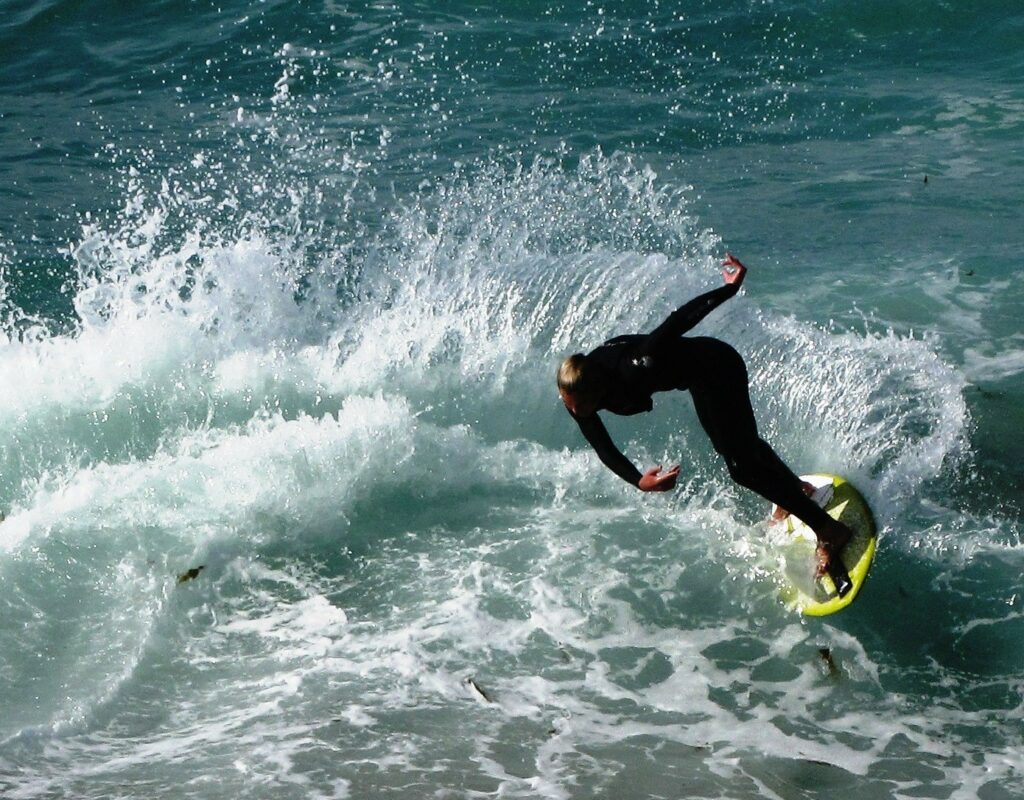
(282, 290)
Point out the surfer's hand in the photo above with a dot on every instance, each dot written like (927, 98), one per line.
(734, 271)
(652, 481)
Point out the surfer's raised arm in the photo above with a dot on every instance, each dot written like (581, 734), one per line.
(689, 315)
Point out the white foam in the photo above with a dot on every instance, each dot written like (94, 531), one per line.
(991, 362)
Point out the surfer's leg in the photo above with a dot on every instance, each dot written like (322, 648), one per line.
(722, 402)
(779, 513)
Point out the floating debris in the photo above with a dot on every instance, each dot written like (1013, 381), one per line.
(830, 664)
(478, 689)
(192, 574)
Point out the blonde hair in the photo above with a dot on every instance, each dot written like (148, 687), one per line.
(576, 378)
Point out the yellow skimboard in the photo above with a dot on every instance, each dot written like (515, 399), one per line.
(801, 590)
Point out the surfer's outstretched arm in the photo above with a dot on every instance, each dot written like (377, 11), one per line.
(687, 316)
(597, 434)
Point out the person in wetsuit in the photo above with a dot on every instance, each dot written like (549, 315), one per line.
(621, 375)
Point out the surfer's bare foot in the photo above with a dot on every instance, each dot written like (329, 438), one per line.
(780, 513)
(830, 544)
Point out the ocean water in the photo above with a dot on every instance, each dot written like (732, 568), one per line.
(283, 286)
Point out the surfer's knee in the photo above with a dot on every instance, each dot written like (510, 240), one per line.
(743, 469)
(747, 460)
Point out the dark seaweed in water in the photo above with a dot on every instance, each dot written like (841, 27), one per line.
(190, 574)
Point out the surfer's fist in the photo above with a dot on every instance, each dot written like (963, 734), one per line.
(734, 271)
(652, 481)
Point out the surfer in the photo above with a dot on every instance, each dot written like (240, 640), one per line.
(621, 375)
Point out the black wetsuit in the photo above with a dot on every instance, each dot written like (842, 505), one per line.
(635, 366)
